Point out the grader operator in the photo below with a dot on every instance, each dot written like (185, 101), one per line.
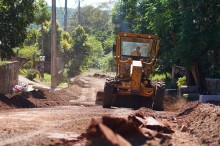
(135, 60)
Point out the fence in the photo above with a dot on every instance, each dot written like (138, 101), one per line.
(8, 76)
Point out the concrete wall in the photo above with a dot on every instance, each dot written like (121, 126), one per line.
(8, 77)
(213, 86)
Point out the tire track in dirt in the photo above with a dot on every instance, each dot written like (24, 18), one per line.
(90, 87)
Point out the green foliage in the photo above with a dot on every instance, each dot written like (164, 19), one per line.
(47, 78)
(119, 18)
(31, 38)
(15, 16)
(65, 44)
(3, 62)
(63, 40)
(31, 74)
(96, 52)
(22, 71)
(66, 41)
(107, 45)
(29, 52)
(42, 13)
(44, 44)
(159, 77)
(165, 77)
(95, 21)
(108, 62)
(181, 81)
(188, 30)
(60, 11)
(78, 54)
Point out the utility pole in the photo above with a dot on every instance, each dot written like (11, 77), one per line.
(53, 48)
(65, 16)
(79, 20)
(42, 39)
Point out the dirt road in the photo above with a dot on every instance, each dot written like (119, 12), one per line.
(62, 117)
(43, 126)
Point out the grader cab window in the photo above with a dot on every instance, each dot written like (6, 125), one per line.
(133, 47)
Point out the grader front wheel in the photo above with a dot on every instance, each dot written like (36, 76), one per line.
(108, 93)
(159, 97)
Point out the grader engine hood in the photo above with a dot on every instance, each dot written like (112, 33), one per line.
(135, 72)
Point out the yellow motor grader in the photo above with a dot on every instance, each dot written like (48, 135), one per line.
(135, 60)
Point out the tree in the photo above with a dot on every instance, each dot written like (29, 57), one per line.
(163, 19)
(156, 17)
(95, 21)
(46, 49)
(15, 16)
(108, 62)
(119, 18)
(96, 54)
(196, 37)
(41, 13)
(31, 38)
(107, 45)
(188, 31)
(78, 54)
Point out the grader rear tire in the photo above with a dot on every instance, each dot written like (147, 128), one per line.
(108, 93)
(159, 97)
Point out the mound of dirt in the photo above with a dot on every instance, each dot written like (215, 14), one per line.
(39, 98)
(202, 122)
(134, 131)
(84, 88)
(173, 103)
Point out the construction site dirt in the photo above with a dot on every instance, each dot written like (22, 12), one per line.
(75, 116)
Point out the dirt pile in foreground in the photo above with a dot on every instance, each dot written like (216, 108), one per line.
(135, 130)
(195, 124)
(202, 121)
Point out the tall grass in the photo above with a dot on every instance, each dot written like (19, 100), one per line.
(47, 78)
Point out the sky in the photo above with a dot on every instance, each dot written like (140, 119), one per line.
(74, 3)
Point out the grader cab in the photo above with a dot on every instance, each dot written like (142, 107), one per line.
(135, 60)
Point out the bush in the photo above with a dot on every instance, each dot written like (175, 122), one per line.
(28, 64)
(181, 81)
(31, 74)
(108, 62)
(159, 77)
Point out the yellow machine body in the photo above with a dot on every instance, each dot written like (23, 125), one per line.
(132, 72)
